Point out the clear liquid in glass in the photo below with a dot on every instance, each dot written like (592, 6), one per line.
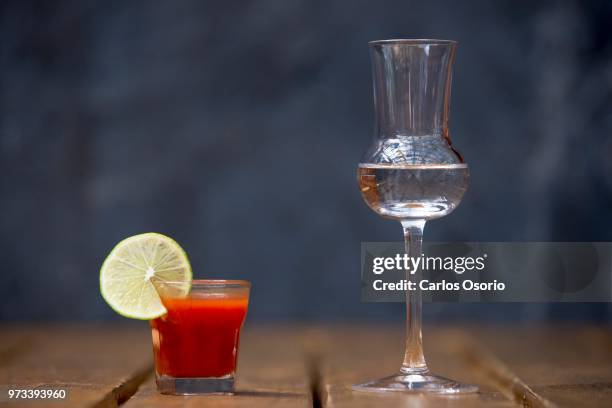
(403, 191)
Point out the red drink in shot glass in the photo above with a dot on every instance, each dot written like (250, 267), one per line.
(195, 343)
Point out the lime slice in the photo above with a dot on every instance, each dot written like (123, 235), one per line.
(134, 265)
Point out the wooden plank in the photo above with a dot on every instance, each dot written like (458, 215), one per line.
(304, 366)
(564, 366)
(13, 343)
(527, 366)
(96, 365)
(272, 372)
(357, 354)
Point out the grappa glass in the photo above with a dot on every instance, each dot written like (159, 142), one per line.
(412, 174)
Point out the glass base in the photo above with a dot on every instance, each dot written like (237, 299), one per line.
(416, 383)
(194, 386)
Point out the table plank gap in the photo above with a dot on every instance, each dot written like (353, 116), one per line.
(91, 363)
(125, 389)
(567, 365)
(313, 362)
(504, 379)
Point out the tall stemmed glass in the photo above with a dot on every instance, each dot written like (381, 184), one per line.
(412, 174)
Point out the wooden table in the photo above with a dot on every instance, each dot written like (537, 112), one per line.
(305, 366)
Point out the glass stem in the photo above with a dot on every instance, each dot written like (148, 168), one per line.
(414, 360)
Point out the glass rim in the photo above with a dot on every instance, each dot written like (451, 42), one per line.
(412, 41)
(211, 283)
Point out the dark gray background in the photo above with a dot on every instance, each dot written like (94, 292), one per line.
(236, 128)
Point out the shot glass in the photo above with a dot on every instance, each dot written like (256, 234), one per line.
(195, 344)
